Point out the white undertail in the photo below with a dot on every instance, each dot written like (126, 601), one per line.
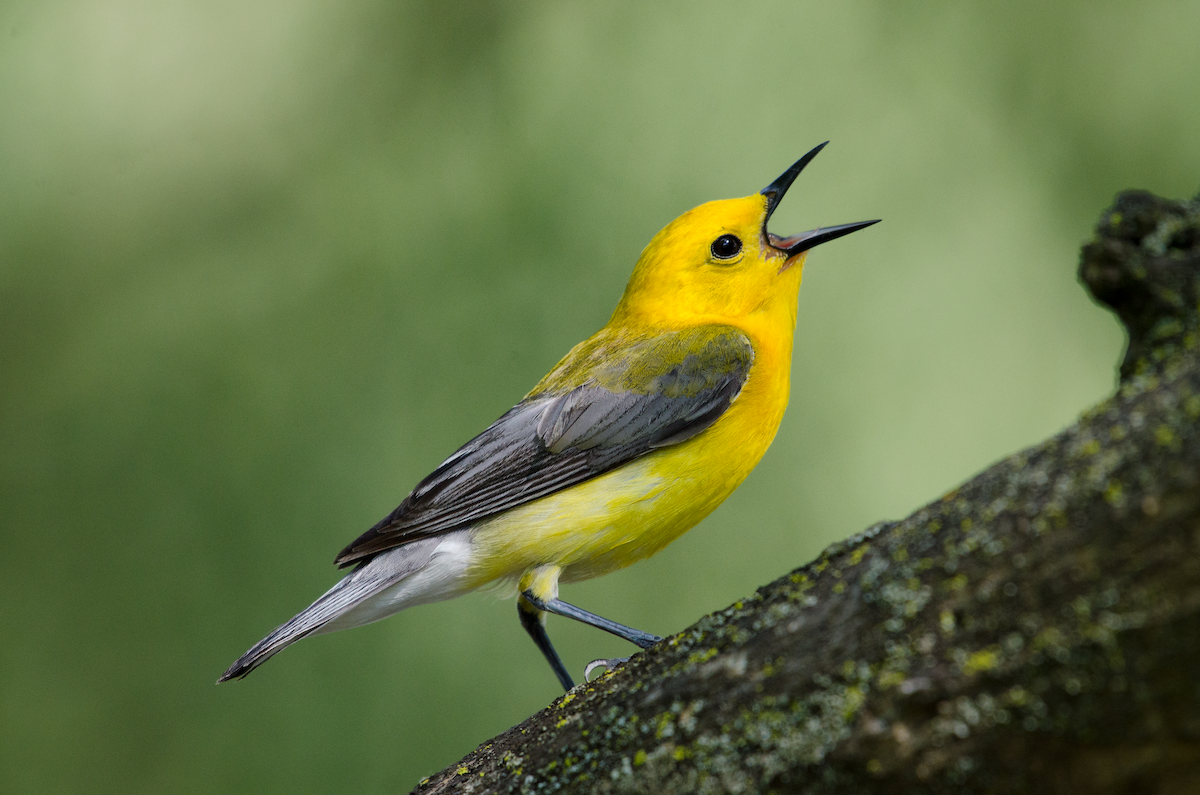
(424, 571)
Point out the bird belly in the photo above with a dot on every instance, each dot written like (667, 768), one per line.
(625, 515)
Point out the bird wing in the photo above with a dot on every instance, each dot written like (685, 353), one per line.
(613, 398)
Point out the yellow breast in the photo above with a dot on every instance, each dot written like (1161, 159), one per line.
(632, 512)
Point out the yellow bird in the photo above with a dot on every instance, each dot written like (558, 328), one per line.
(634, 437)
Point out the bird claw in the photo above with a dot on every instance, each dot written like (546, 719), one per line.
(607, 663)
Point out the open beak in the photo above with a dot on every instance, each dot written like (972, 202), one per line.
(804, 241)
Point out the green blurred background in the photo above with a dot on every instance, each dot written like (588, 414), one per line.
(262, 266)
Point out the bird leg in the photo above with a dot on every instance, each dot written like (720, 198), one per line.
(531, 619)
(558, 606)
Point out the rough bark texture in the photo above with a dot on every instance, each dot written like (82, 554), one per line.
(1035, 631)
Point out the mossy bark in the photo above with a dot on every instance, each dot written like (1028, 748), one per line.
(1037, 630)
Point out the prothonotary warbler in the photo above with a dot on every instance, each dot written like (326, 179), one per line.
(634, 437)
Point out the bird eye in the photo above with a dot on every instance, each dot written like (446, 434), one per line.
(726, 247)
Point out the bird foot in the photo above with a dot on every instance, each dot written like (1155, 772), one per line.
(606, 663)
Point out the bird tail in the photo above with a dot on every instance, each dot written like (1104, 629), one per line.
(335, 609)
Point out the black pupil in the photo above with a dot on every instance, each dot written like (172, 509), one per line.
(726, 246)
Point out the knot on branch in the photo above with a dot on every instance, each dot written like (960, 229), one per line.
(1145, 265)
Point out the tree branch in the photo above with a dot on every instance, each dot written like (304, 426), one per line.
(1035, 631)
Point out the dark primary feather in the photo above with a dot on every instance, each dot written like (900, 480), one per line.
(582, 421)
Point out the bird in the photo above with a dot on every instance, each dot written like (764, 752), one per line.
(634, 437)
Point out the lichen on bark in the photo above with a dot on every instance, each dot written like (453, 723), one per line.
(1035, 630)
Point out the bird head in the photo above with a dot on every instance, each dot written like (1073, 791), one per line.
(719, 261)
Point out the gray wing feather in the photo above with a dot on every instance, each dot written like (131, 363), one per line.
(551, 442)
